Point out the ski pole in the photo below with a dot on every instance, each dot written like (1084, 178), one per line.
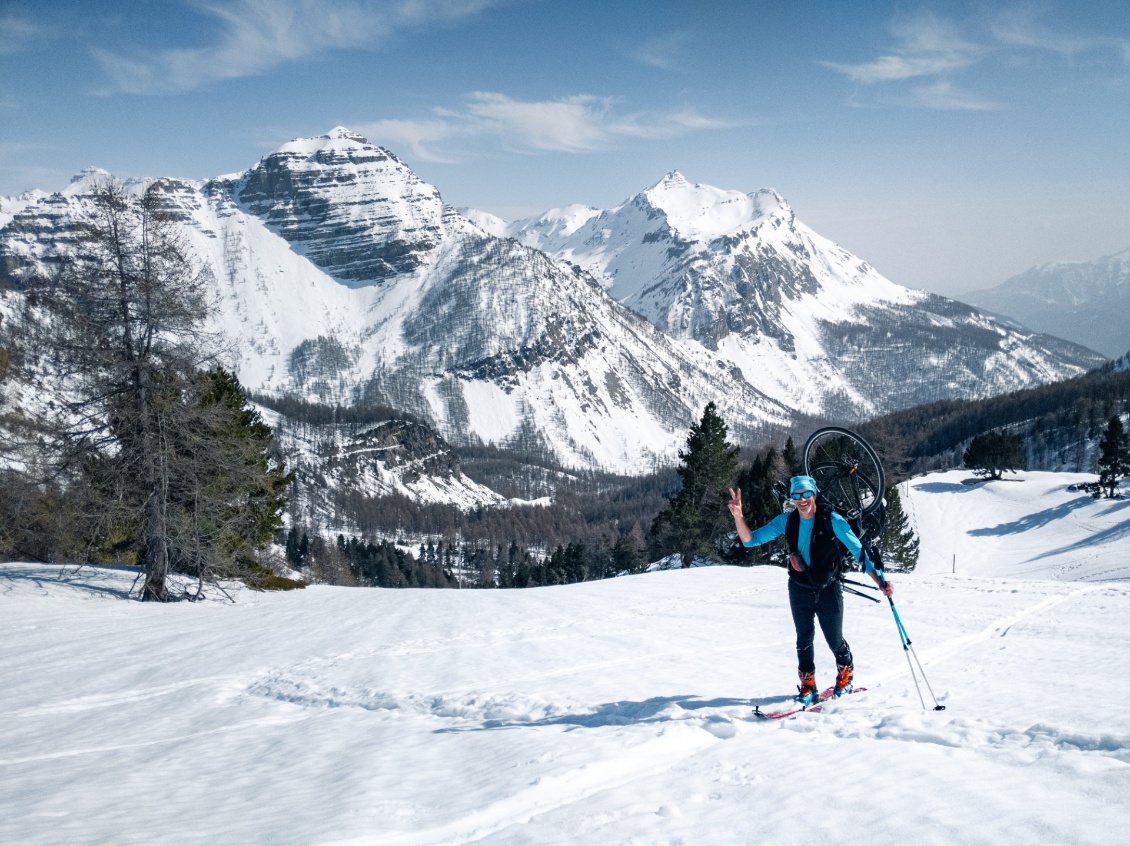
(908, 648)
(858, 593)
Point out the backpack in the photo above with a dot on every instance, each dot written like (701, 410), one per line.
(867, 527)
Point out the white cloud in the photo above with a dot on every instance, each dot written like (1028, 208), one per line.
(575, 124)
(580, 123)
(16, 33)
(415, 136)
(928, 46)
(931, 48)
(257, 35)
(664, 52)
(946, 96)
(1018, 27)
(890, 68)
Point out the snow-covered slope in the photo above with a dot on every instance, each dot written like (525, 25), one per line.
(603, 712)
(801, 318)
(11, 206)
(1086, 302)
(1030, 525)
(389, 457)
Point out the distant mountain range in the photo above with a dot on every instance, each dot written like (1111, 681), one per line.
(595, 337)
(1084, 301)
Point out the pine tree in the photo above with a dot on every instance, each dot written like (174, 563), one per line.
(760, 504)
(234, 489)
(898, 543)
(792, 459)
(993, 453)
(626, 557)
(1114, 456)
(695, 521)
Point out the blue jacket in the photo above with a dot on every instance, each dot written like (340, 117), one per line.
(778, 526)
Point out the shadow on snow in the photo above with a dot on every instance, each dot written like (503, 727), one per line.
(626, 712)
(101, 580)
(1034, 521)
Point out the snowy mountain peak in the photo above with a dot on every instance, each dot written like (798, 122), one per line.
(699, 212)
(89, 173)
(802, 320)
(671, 178)
(352, 208)
(81, 181)
(552, 225)
(1083, 301)
(489, 223)
(337, 140)
(11, 206)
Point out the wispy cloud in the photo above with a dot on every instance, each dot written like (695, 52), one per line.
(16, 33)
(257, 35)
(664, 52)
(945, 95)
(1019, 27)
(581, 123)
(928, 46)
(576, 124)
(418, 137)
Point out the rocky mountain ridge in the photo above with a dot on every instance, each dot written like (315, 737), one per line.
(805, 321)
(595, 337)
(341, 278)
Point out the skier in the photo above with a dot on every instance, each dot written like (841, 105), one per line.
(812, 533)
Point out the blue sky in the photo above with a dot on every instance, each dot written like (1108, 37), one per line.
(951, 145)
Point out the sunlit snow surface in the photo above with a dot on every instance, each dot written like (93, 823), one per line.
(603, 713)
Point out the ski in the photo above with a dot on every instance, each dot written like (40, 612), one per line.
(796, 708)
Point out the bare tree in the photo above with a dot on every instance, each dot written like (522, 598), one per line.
(118, 326)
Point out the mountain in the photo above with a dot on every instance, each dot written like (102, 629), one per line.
(1085, 301)
(341, 277)
(801, 319)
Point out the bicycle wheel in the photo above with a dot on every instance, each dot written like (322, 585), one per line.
(846, 469)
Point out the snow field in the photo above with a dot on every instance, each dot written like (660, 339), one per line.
(604, 713)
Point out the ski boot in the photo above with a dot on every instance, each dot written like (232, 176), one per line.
(809, 692)
(844, 675)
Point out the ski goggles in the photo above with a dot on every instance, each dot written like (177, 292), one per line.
(799, 495)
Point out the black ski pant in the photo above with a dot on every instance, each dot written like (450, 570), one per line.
(826, 605)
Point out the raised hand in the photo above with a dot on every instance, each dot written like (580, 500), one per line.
(735, 503)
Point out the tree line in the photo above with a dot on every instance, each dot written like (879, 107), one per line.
(1057, 425)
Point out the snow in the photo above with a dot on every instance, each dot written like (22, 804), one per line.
(1026, 524)
(493, 414)
(337, 139)
(703, 212)
(606, 712)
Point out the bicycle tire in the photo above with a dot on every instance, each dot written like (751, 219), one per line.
(846, 468)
